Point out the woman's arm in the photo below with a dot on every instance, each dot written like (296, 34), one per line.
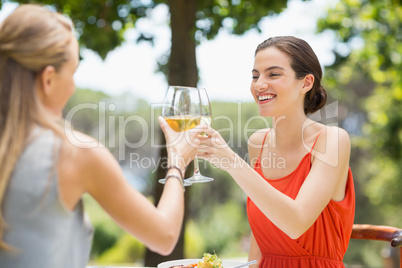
(96, 171)
(326, 179)
(157, 227)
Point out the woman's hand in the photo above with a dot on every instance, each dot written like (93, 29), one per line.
(181, 146)
(214, 149)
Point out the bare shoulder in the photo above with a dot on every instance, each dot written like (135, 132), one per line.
(256, 139)
(333, 146)
(81, 140)
(87, 154)
(84, 165)
(334, 133)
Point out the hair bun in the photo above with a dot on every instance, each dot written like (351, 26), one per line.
(315, 100)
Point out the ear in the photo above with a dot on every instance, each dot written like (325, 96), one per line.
(308, 83)
(46, 81)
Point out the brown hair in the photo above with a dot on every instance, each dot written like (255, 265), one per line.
(303, 61)
(31, 38)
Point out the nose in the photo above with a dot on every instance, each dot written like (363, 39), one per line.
(261, 85)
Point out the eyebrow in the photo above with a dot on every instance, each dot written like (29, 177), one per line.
(270, 68)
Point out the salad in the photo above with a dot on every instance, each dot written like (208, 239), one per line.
(208, 261)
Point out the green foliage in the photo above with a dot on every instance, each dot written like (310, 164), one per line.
(106, 235)
(377, 27)
(237, 17)
(194, 245)
(101, 24)
(126, 250)
(369, 251)
(107, 232)
(367, 69)
(223, 228)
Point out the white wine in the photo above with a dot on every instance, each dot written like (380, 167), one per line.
(183, 123)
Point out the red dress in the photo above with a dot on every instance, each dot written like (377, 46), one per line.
(322, 245)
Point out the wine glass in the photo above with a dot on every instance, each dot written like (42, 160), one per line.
(181, 110)
(206, 118)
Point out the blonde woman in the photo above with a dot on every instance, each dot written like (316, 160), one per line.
(43, 176)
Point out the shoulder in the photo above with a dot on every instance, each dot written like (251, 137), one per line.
(86, 166)
(88, 155)
(81, 140)
(335, 136)
(256, 139)
(333, 146)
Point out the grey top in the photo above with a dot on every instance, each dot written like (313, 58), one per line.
(45, 232)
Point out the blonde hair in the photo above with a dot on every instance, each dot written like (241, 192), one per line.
(31, 38)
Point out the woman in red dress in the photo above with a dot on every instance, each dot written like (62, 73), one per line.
(300, 190)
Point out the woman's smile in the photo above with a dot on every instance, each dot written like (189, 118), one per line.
(265, 97)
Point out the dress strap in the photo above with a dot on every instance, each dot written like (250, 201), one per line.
(316, 140)
(263, 142)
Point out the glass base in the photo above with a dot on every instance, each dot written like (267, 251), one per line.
(185, 183)
(198, 178)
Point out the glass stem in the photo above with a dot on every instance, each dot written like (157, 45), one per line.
(196, 167)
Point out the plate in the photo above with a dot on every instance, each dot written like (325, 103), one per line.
(167, 264)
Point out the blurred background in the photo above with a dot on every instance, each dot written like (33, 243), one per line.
(131, 50)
